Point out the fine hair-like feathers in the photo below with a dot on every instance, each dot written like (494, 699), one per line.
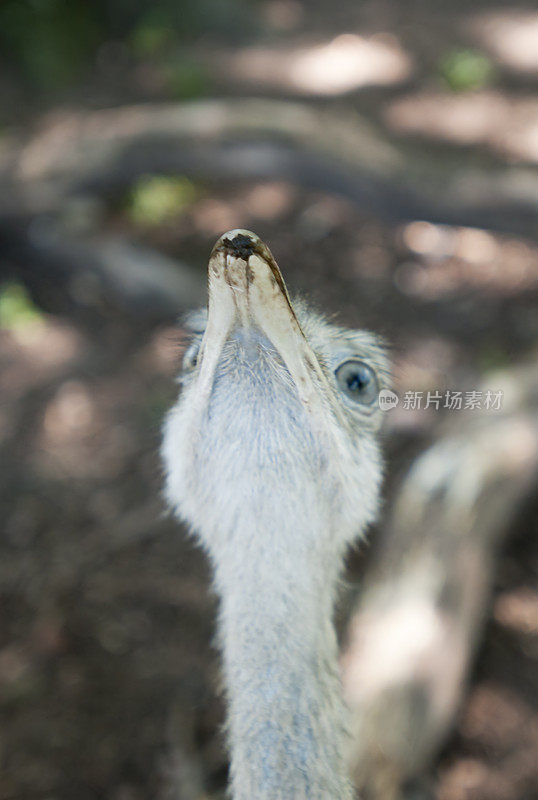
(275, 495)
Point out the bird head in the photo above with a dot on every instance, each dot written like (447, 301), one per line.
(272, 393)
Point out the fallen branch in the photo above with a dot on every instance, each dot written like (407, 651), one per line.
(100, 152)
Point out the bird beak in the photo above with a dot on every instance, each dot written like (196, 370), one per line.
(246, 289)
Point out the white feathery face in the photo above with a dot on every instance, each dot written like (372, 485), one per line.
(272, 458)
(275, 401)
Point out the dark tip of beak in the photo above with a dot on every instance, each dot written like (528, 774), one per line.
(241, 246)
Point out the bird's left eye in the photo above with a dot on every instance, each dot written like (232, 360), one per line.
(190, 359)
(358, 381)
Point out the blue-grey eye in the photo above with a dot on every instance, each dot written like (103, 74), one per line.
(358, 381)
(190, 359)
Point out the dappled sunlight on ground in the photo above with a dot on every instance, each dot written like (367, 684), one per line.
(262, 202)
(511, 35)
(39, 349)
(507, 125)
(472, 777)
(31, 355)
(71, 413)
(341, 65)
(518, 610)
(425, 364)
(493, 720)
(164, 352)
(456, 259)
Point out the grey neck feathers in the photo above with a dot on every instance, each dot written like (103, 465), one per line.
(276, 489)
(287, 722)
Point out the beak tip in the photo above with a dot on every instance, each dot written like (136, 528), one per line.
(239, 232)
(239, 243)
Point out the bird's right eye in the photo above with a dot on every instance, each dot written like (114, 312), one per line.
(358, 381)
(190, 359)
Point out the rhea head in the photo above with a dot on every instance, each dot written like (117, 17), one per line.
(271, 389)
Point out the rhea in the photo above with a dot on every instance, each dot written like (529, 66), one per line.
(272, 458)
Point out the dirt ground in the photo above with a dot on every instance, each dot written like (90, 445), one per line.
(108, 677)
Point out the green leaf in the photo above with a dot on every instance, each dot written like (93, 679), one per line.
(465, 70)
(16, 308)
(155, 199)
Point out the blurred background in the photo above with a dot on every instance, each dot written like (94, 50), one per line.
(387, 152)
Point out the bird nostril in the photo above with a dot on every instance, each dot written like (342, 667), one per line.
(241, 246)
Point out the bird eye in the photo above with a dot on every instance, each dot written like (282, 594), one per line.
(358, 381)
(190, 359)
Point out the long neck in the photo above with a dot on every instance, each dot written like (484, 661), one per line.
(286, 721)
